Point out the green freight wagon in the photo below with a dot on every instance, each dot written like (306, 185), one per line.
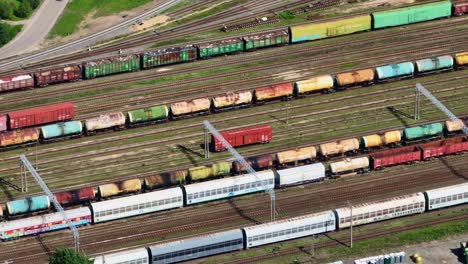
(150, 114)
(168, 56)
(279, 37)
(423, 131)
(108, 66)
(332, 28)
(221, 47)
(413, 14)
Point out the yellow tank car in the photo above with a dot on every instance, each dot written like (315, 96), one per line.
(372, 141)
(355, 77)
(392, 137)
(318, 83)
(461, 58)
(338, 147)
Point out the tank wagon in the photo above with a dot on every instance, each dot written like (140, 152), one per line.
(204, 172)
(127, 186)
(28, 205)
(293, 228)
(290, 35)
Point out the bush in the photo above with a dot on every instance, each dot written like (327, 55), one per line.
(14, 9)
(24, 10)
(7, 8)
(68, 256)
(8, 32)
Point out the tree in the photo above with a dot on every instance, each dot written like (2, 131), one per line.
(6, 9)
(33, 3)
(24, 10)
(68, 256)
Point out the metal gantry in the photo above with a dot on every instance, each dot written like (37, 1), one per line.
(242, 161)
(422, 90)
(25, 166)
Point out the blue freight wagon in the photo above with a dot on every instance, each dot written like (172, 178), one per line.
(395, 70)
(27, 205)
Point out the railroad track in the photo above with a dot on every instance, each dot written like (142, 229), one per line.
(295, 202)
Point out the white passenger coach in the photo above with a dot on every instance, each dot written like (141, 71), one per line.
(447, 196)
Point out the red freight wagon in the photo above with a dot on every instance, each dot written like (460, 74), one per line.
(16, 82)
(395, 156)
(243, 136)
(3, 123)
(460, 7)
(76, 196)
(41, 115)
(444, 147)
(56, 75)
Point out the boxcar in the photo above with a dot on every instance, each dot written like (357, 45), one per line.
(339, 147)
(461, 59)
(18, 137)
(69, 128)
(295, 155)
(282, 90)
(133, 256)
(43, 223)
(27, 205)
(137, 204)
(460, 7)
(76, 196)
(447, 196)
(291, 228)
(300, 175)
(349, 165)
(395, 156)
(217, 169)
(244, 136)
(318, 83)
(165, 179)
(112, 65)
(220, 47)
(194, 106)
(413, 14)
(232, 99)
(56, 75)
(403, 69)
(16, 82)
(150, 114)
(172, 55)
(106, 121)
(3, 123)
(346, 79)
(127, 186)
(444, 147)
(41, 115)
(197, 247)
(229, 187)
(434, 64)
(419, 132)
(330, 29)
(257, 163)
(366, 213)
(267, 39)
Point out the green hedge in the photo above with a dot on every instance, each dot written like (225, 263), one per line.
(8, 32)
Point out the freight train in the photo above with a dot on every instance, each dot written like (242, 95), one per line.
(291, 228)
(373, 156)
(291, 35)
(12, 138)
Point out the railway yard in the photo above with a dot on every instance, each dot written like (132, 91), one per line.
(106, 159)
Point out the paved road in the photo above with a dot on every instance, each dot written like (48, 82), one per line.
(85, 41)
(35, 29)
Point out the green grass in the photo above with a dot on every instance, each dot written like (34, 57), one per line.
(181, 4)
(8, 32)
(77, 10)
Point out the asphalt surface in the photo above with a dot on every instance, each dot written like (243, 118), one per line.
(35, 29)
(84, 42)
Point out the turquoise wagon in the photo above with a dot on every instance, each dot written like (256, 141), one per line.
(402, 69)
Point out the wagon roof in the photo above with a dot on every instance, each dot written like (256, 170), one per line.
(168, 50)
(15, 78)
(111, 59)
(219, 42)
(59, 68)
(40, 109)
(265, 35)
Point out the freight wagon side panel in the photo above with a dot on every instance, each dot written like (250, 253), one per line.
(16, 137)
(41, 115)
(330, 29)
(409, 15)
(220, 47)
(266, 39)
(168, 56)
(16, 82)
(68, 73)
(460, 8)
(395, 157)
(3, 123)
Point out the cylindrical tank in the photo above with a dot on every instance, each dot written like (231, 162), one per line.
(110, 189)
(453, 126)
(341, 146)
(392, 137)
(76, 196)
(322, 82)
(165, 179)
(105, 121)
(257, 163)
(61, 129)
(433, 64)
(232, 99)
(148, 114)
(192, 106)
(461, 58)
(203, 172)
(349, 165)
(354, 77)
(395, 70)
(20, 136)
(296, 155)
(273, 91)
(423, 131)
(372, 141)
(26, 205)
